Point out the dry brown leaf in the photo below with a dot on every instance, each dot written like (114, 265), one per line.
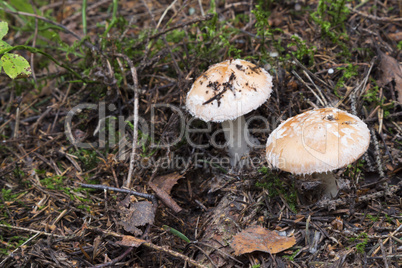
(130, 241)
(139, 214)
(391, 70)
(165, 198)
(166, 182)
(258, 238)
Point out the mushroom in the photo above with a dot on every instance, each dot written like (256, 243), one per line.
(224, 93)
(317, 142)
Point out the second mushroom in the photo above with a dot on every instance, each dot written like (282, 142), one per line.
(317, 142)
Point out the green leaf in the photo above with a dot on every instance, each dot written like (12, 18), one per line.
(15, 65)
(176, 233)
(3, 44)
(3, 29)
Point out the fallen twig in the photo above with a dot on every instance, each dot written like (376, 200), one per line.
(108, 188)
(135, 136)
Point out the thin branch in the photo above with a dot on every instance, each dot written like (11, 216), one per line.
(135, 136)
(127, 191)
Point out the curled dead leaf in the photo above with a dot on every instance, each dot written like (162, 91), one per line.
(165, 198)
(166, 182)
(258, 238)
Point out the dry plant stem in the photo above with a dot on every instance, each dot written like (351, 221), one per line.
(135, 136)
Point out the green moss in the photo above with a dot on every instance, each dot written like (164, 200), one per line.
(361, 246)
(278, 187)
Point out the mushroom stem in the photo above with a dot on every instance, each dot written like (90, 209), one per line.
(236, 135)
(329, 183)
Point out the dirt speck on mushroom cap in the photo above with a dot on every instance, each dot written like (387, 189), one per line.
(228, 90)
(320, 140)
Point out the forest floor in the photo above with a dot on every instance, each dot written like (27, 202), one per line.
(106, 74)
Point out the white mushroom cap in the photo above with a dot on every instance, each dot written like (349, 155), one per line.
(228, 90)
(320, 140)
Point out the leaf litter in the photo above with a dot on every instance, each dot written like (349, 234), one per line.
(73, 227)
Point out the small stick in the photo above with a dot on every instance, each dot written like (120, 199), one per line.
(127, 191)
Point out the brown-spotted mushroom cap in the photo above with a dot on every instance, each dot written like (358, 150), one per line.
(228, 90)
(320, 140)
